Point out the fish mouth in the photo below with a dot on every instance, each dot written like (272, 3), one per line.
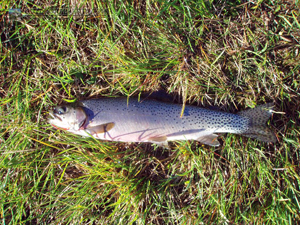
(53, 120)
(54, 116)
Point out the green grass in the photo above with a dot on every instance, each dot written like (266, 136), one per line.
(229, 54)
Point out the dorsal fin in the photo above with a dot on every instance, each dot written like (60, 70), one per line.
(159, 95)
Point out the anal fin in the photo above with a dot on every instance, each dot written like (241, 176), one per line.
(210, 139)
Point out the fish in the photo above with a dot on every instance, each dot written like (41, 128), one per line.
(148, 120)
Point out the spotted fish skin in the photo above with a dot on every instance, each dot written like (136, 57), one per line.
(160, 122)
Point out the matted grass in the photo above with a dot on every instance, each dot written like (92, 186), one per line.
(228, 54)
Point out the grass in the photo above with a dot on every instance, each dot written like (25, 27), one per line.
(229, 54)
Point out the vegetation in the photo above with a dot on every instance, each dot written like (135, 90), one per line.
(227, 54)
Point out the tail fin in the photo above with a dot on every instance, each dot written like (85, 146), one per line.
(258, 117)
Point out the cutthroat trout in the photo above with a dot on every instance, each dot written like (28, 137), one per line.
(117, 119)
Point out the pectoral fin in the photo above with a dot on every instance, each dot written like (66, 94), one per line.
(210, 139)
(98, 129)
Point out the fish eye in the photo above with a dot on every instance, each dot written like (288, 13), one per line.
(60, 110)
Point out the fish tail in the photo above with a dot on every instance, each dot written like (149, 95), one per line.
(258, 118)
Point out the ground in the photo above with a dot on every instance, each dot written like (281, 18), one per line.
(230, 55)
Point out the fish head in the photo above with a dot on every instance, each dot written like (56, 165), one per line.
(68, 117)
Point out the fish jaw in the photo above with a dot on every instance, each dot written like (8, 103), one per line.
(73, 118)
(57, 122)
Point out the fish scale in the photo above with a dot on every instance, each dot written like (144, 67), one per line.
(130, 120)
(167, 115)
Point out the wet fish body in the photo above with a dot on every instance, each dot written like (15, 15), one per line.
(119, 119)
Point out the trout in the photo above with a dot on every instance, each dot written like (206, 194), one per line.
(119, 119)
